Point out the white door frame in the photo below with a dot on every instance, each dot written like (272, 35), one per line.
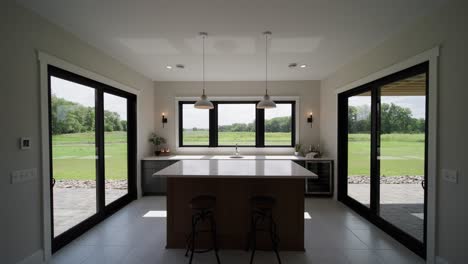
(44, 61)
(430, 56)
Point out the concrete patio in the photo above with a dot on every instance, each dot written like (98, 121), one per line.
(400, 204)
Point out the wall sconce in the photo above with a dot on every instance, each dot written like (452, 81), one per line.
(164, 119)
(310, 119)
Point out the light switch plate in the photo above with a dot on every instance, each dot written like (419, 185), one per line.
(450, 176)
(25, 143)
(23, 175)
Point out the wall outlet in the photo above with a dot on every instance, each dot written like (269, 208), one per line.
(23, 175)
(450, 176)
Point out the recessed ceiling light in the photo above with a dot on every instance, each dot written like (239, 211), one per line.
(303, 66)
(180, 66)
(169, 67)
(292, 65)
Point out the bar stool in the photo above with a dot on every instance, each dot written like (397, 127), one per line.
(262, 212)
(203, 207)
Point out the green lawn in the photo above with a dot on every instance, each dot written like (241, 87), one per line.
(74, 158)
(402, 154)
(200, 137)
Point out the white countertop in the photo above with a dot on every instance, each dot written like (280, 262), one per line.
(228, 157)
(216, 168)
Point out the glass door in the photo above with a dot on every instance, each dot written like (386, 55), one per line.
(115, 147)
(402, 154)
(74, 158)
(382, 143)
(359, 147)
(93, 153)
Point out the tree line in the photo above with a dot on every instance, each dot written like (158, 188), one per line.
(69, 117)
(277, 124)
(394, 119)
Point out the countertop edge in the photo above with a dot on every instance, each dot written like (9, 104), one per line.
(227, 157)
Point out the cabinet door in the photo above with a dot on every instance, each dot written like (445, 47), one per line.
(151, 185)
(154, 185)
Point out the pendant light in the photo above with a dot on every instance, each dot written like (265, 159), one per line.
(266, 102)
(203, 103)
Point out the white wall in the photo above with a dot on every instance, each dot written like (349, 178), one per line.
(447, 28)
(22, 33)
(307, 91)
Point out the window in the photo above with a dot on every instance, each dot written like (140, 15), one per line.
(237, 122)
(278, 125)
(195, 126)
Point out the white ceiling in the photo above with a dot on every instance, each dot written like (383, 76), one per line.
(148, 35)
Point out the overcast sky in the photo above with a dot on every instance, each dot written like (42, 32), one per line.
(417, 104)
(84, 95)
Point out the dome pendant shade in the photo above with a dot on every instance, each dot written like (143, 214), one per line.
(266, 103)
(203, 103)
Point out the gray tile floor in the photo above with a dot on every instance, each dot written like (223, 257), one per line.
(400, 204)
(333, 234)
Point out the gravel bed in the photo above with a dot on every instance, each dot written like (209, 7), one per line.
(122, 184)
(87, 184)
(417, 179)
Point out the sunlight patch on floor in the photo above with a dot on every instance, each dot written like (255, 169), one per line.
(159, 214)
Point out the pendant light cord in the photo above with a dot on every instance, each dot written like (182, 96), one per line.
(266, 63)
(204, 64)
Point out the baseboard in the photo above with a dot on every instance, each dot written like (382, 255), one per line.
(440, 260)
(36, 258)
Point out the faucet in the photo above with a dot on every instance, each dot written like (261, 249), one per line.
(237, 152)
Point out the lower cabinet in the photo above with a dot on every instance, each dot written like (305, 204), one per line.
(153, 185)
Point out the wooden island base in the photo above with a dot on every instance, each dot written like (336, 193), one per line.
(233, 208)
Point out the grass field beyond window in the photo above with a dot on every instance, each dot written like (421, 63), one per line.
(401, 154)
(74, 154)
(201, 137)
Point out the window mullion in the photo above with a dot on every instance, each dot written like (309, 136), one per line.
(213, 128)
(260, 128)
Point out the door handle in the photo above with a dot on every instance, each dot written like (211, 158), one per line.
(423, 184)
(53, 182)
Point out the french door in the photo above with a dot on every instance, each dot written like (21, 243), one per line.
(93, 153)
(382, 153)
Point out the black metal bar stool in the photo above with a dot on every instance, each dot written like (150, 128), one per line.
(261, 214)
(203, 207)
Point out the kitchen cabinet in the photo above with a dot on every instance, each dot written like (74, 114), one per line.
(154, 185)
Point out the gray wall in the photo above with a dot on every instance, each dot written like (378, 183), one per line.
(22, 33)
(307, 91)
(447, 28)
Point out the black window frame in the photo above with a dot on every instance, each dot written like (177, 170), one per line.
(259, 125)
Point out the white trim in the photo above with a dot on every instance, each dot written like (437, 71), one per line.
(35, 258)
(45, 152)
(431, 56)
(420, 58)
(62, 64)
(45, 60)
(432, 157)
(245, 150)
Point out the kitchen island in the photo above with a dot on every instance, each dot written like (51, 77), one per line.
(233, 182)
